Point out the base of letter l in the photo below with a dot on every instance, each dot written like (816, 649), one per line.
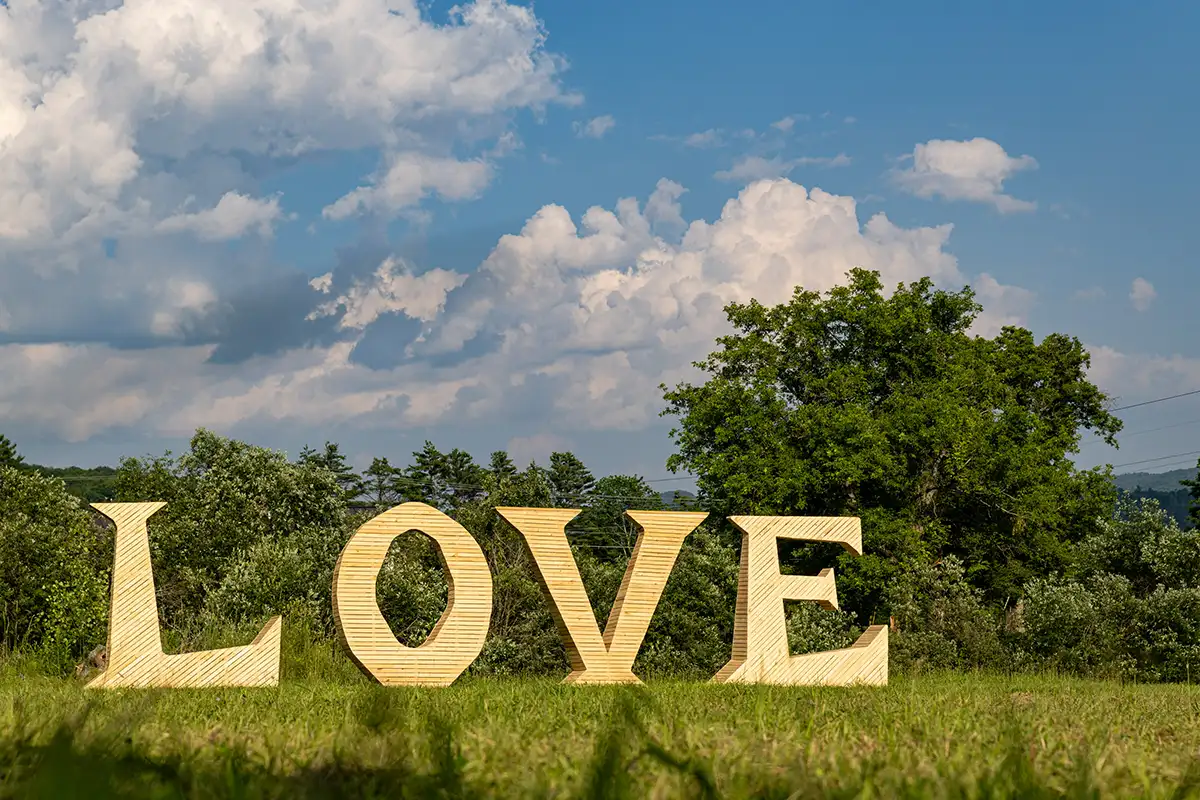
(135, 654)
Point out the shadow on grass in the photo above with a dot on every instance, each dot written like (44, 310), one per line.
(67, 762)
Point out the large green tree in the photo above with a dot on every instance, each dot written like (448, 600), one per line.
(379, 481)
(886, 408)
(243, 528)
(54, 565)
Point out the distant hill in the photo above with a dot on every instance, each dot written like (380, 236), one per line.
(676, 497)
(1155, 481)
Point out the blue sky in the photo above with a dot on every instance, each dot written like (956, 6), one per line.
(177, 175)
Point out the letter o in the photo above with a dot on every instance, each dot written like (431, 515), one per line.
(458, 637)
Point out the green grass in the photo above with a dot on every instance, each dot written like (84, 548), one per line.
(332, 734)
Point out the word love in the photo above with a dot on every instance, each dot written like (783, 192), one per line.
(760, 645)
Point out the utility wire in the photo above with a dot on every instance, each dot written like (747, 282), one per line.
(1141, 432)
(1160, 458)
(1155, 400)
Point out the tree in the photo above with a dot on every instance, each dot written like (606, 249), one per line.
(1194, 506)
(9, 457)
(501, 465)
(54, 565)
(444, 480)
(379, 482)
(887, 409)
(603, 522)
(232, 509)
(332, 459)
(570, 480)
(462, 476)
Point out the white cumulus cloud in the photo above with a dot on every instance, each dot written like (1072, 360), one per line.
(1142, 294)
(752, 168)
(231, 218)
(583, 318)
(974, 170)
(392, 288)
(147, 129)
(410, 178)
(595, 128)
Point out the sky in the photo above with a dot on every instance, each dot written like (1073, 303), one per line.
(503, 226)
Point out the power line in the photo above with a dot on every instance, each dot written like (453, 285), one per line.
(1160, 458)
(1141, 432)
(1155, 400)
(1169, 465)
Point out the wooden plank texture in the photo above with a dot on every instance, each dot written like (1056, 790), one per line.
(607, 657)
(135, 654)
(760, 645)
(458, 636)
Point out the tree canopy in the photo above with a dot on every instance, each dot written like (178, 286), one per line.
(886, 408)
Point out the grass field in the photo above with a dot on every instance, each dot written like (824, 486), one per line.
(328, 733)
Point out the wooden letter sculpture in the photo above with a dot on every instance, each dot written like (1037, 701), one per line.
(456, 639)
(760, 644)
(606, 658)
(135, 654)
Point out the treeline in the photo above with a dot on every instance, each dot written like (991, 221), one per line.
(984, 546)
(248, 533)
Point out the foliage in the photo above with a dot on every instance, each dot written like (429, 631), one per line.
(379, 484)
(692, 628)
(1193, 486)
(812, 629)
(885, 408)
(1177, 503)
(53, 569)
(569, 479)
(602, 522)
(9, 457)
(522, 638)
(91, 485)
(231, 505)
(331, 458)
(277, 575)
(501, 465)
(941, 621)
(1129, 608)
(443, 480)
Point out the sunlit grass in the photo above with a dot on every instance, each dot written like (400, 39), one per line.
(330, 733)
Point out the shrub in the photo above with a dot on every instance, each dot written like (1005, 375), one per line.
(54, 566)
(230, 507)
(941, 620)
(1130, 608)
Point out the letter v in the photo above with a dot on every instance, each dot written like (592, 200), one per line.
(135, 654)
(606, 658)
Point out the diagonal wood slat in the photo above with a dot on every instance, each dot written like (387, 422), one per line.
(456, 639)
(135, 654)
(760, 645)
(607, 657)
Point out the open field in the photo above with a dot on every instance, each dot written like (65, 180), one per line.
(947, 736)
